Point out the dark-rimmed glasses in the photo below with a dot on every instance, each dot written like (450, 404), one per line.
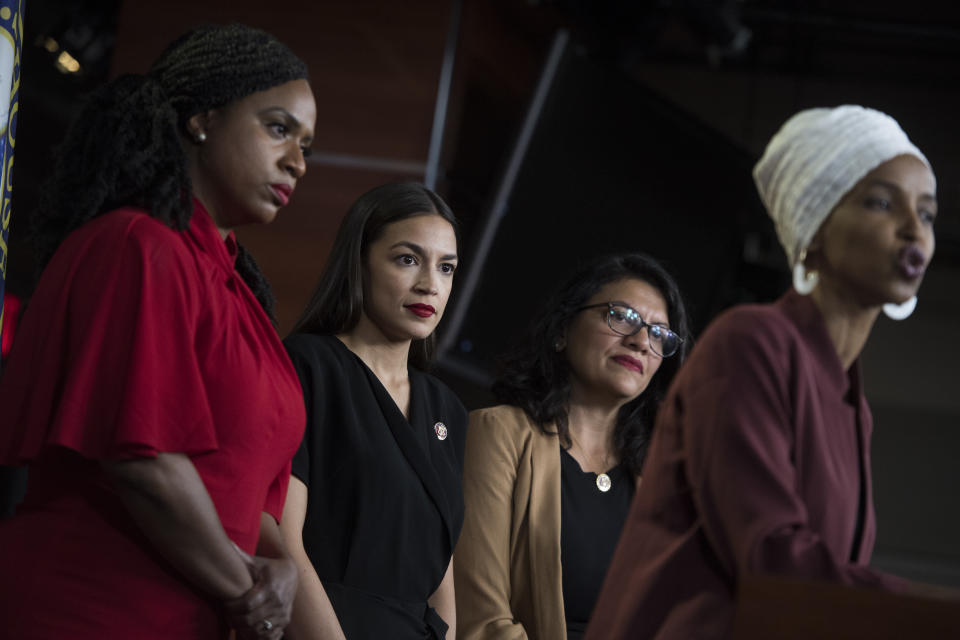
(625, 320)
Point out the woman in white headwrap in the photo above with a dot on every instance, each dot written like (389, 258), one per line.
(760, 457)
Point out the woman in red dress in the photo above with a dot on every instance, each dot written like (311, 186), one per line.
(147, 390)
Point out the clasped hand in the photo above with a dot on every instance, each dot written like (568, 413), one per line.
(264, 610)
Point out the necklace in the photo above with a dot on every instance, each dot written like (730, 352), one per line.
(604, 483)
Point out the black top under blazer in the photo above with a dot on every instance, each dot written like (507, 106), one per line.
(385, 504)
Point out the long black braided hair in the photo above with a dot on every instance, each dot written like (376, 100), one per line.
(124, 146)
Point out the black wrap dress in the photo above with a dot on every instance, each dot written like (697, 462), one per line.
(385, 504)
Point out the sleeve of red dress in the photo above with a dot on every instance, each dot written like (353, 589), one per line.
(307, 355)
(297, 348)
(128, 381)
(277, 493)
(740, 467)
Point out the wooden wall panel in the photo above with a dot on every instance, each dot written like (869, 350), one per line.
(293, 249)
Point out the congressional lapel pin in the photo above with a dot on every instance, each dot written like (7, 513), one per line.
(441, 430)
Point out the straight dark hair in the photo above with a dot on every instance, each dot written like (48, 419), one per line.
(536, 377)
(337, 301)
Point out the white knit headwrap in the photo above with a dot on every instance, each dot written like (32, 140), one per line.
(815, 158)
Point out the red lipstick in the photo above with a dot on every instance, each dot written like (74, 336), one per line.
(630, 363)
(911, 262)
(422, 310)
(283, 192)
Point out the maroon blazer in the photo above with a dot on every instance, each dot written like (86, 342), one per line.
(759, 463)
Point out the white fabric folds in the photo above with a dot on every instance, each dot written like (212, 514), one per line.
(815, 158)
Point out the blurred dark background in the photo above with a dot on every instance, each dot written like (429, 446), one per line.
(561, 130)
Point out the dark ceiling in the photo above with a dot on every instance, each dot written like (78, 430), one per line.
(901, 57)
(909, 48)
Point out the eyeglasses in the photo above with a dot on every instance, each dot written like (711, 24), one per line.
(627, 322)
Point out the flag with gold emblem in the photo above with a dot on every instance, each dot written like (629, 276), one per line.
(11, 42)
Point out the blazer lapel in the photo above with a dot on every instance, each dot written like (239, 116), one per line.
(544, 535)
(409, 437)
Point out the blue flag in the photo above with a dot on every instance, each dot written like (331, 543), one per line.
(11, 43)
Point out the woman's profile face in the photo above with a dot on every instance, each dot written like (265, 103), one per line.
(253, 155)
(877, 243)
(408, 276)
(604, 365)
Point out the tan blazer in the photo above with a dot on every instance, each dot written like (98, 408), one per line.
(507, 561)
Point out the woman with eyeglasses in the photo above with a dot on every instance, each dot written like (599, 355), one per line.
(549, 474)
(760, 460)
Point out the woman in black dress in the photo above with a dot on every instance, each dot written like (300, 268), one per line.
(375, 505)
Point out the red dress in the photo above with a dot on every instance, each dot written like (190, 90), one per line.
(138, 340)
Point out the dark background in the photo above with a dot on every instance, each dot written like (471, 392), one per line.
(651, 124)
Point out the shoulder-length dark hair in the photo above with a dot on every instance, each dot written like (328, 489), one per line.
(337, 301)
(536, 377)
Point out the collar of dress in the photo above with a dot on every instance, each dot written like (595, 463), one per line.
(203, 231)
(805, 315)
